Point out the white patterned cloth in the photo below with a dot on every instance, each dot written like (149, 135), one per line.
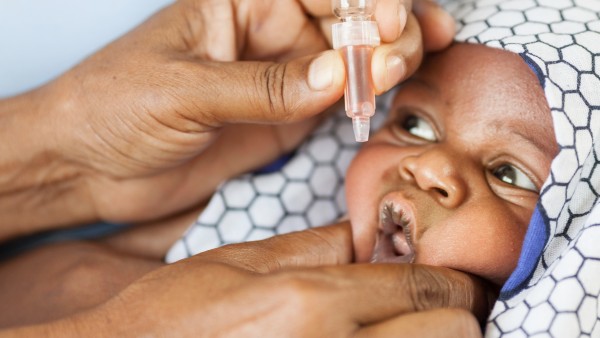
(554, 291)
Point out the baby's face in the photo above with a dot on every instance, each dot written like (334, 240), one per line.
(453, 176)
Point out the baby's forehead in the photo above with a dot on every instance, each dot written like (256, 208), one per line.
(468, 87)
(478, 77)
(465, 60)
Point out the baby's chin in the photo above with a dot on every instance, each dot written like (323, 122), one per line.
(383, 250)
(493, 276)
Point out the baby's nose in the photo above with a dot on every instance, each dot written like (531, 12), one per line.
(438, 173)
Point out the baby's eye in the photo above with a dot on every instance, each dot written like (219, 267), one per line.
(419, 128)
(510, 174)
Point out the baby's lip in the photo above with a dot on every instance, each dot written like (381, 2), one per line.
(394, 241)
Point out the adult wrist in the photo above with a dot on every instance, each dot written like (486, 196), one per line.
(40, 188)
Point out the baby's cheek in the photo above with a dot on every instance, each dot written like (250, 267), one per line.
(492, 255)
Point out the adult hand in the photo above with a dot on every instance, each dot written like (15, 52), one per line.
(119, 136)
(297, 285)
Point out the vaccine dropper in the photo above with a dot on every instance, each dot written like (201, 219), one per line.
(355, 37)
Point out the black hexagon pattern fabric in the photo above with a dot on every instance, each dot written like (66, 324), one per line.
(558, 293)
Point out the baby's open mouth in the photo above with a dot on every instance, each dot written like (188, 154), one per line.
(393, 243)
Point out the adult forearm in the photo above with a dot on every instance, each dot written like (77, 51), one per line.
(39, 187)
(44, 330)
(81, 325)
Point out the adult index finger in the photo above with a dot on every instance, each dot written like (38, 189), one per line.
(327, 245)
(430, 29)
(391, 16)
(437, 25)
(371, 293)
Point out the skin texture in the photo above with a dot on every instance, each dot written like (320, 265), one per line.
(304, 276)
(461, 215)
(136, 133)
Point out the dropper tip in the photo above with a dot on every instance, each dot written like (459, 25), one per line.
(361, 126)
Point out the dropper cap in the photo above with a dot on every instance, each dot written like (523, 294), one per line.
(361, 126)
(353, 10)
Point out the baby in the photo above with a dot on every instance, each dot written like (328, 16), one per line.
(452, 177)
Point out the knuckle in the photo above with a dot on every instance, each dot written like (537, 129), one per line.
(88, 268)
(413, 45)
(300, 291)
(252, 257)
(270, 82)
(426, 288)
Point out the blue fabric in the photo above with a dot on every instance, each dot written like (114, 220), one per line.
(537, 232)
(535, 68)
(533, 245)
(275, 165)
(90, 231)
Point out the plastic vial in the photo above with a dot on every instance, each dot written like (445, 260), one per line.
(355, 37)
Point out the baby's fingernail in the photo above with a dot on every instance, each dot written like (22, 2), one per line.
(395, 70)
(320, 72)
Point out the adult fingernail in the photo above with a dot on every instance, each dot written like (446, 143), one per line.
(320, 72)
(395, 70)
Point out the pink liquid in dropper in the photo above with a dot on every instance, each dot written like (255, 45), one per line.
(360, 92)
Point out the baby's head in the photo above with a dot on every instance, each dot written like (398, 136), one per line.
(453, 176)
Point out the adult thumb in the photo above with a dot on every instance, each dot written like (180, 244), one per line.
(268, 92)
(326, 245)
